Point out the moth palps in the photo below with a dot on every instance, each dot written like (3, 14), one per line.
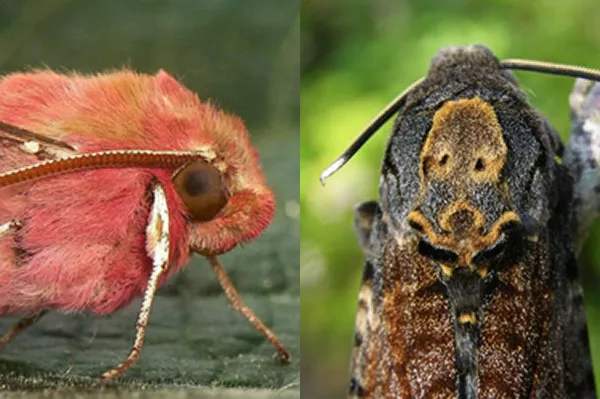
(471, 288)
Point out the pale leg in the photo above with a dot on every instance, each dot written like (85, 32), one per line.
(157, 237)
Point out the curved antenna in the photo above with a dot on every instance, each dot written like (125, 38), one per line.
(100, 159)
(393, 107)
(552, 68)
(366, 134)
(20, 135)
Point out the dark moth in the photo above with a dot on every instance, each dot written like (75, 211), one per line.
(470, 288)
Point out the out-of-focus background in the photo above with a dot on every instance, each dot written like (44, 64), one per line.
(244, 56)
(356, 56)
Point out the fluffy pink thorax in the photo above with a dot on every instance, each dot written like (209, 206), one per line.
(82, 240)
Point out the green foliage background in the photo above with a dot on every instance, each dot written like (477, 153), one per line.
(356, 56)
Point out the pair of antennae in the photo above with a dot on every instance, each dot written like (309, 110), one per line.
(397, 103)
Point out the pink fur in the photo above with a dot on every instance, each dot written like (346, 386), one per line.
(82, 241)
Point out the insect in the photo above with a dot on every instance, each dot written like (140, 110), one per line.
(108, 184)
(470, 287)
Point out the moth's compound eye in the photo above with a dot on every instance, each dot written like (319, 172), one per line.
(201, 188)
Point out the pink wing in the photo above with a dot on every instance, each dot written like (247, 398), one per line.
(75, 241)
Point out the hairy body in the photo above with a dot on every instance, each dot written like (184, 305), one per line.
(121, 176)
(471, 286)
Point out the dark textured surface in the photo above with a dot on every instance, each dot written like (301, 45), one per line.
(244, 56)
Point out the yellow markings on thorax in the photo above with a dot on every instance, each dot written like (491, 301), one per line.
(483, 271)
(467, 318)
(464, 148)
(463, 233)
(462, 218)
(464, 144)
(447, 269)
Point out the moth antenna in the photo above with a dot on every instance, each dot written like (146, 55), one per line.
(19, 134)
(366, 134)
(393, 107)
(101, 159)
(574, 71)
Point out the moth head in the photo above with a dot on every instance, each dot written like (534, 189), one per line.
(456, 67)
(201, 155)
(223, 190)
(223, 210)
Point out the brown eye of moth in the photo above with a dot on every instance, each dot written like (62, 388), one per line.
(201, 188)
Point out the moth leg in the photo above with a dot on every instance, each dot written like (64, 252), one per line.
(157, 245)
(241, 307)
(21, 325)
(364, 214)
(364, 217)
(582, 155)
(9, 256)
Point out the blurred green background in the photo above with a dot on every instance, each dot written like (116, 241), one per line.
(244, 56)
(356, 56)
